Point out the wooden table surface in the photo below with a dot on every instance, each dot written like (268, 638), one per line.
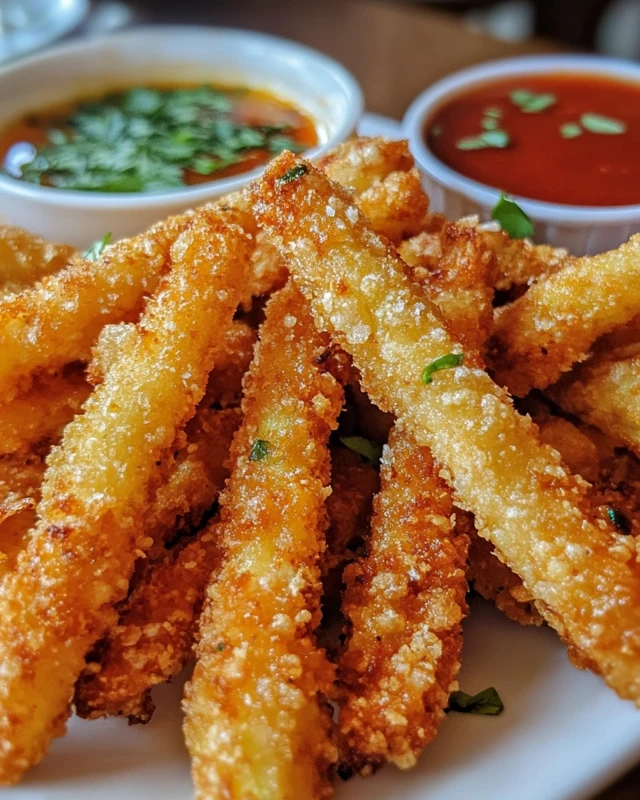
(395, 51)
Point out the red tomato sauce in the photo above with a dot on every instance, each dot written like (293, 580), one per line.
(588, 169)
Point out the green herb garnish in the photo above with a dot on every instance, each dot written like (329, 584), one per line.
(512, 218)
(530, 102)
(489, 138)
(363, 447)
(259, 450)
(144, 140)
(570, 130)
(487, 703)
(596, 123)
(618, 519)
(489, 124)
(94, 252)
(444, 362)
(220, 647)
(294, 173)
(493, 111)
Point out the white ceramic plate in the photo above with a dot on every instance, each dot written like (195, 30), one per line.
(563, 735)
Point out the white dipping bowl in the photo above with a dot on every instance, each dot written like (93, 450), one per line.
(314, 83)
(581, 229)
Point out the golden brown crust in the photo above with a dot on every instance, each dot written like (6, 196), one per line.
(404, 602)
(583, 575)
(256, 724)
(26, 258)
(79, 558)
(555, 323)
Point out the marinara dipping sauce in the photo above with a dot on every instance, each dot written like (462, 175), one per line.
(560, 138)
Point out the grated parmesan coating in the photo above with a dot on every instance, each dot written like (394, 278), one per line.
(256, 721)
(583, 576)
(555, 323)
(404, 602)
(80, 555)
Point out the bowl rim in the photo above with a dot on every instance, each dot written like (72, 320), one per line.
(483, 194)
(73, 198)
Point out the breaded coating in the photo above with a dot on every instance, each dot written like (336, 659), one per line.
(554, 324)
(363, 162)
(604, 392)
(80, 555)
(518, 262)
(256, 722)
(26, 258)
(59, 319)
(21, 475)
(40, 414)
(404, 601)
(396, 206)
(153, 638)
(354, 482)
(454, 266)
(582, 573)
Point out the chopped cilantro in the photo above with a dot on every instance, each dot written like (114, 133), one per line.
(259, 450)
(444, 362)
(294, 173)
(94, 252)
(570, 130)
(618, 519)
(532, 103)
(512, 218)
(487, 703)
(597, 123)
(363, 447)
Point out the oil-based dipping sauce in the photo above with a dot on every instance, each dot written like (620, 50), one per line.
(561, 138)
(153, 138)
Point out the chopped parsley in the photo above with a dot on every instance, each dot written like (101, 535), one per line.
(532, 103)
(94, 252)
(570, 130)
(512, 218)
(495, 137)
(486, 703)
(294, 173)
(618, 519)
(371, 451)
(259, 450)
(444, 362)
(220, 647)
(597, 123)
(148, 140)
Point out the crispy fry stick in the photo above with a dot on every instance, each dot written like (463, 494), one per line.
(58, 320)
(396, 206)
(518, 262)
(535, 514)
(553, 325)
(59, 600)
(154, 636)
(256, 725)
(361, 163)
(454, 268)
(604, 392)
(405, 602)
(26, 258)
(40, 414)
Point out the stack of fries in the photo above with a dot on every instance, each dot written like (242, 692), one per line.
(275, 436)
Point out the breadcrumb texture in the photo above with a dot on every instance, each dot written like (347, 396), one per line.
(404, 602)
(582, 574)
(58, 320)
(80, 555)
(604, 392)
(554, 324)
(256, 721)
(26, 258)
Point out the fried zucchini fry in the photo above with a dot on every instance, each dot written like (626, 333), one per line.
(604, 392)
(536, 515)
(518, 262)
(405, 601)
(396, 206)
(453, 265)
(58, 320)
(554, 324)
(80, 555)
(153, 639)
(40, 414)
(26, 258)
(361, 163)
(256, 725)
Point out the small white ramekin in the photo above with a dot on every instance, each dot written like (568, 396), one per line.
(316, 84)
(581, 229)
